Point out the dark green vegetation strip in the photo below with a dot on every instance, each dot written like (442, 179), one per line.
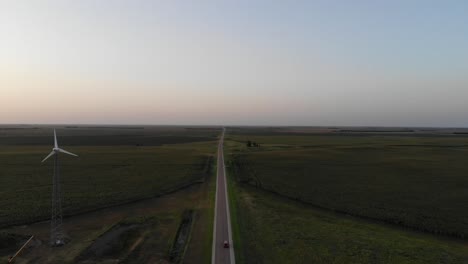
(417, 182)
(101, 176)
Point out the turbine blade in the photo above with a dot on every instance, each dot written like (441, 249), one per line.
(66, 152)
(48, 156)
(55, 139)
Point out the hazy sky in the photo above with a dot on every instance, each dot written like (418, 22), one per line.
(393, 63)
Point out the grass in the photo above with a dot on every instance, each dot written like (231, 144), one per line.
(200, 245)
(237, 214)
(413, 181)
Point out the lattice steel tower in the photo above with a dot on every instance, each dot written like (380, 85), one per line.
(56, 230)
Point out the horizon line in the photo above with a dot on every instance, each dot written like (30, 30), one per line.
(232, 125)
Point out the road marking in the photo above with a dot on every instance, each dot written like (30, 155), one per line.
(228, 213)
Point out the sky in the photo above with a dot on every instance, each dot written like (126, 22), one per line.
(299, 63)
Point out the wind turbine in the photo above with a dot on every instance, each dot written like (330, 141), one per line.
(56, 230)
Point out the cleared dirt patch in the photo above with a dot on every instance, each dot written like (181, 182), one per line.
(114, 244)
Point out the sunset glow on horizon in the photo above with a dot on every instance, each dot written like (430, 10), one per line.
(318, 63)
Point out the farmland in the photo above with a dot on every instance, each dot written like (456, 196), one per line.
(103, 175)
(297, 195)
(413, 181)
(125, 196)
(364, 192)
(271, 229)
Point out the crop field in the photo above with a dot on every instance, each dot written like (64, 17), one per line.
(418, 181)
(104, 135)
(115, 165)
(268, 228)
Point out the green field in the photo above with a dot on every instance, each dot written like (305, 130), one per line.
(271, 229)
(104, 135)
(413, 181)
(299, 197)
(115, 166)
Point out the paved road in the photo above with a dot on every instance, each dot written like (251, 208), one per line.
(222, 222)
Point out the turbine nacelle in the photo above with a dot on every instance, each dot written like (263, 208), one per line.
(56, 150)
